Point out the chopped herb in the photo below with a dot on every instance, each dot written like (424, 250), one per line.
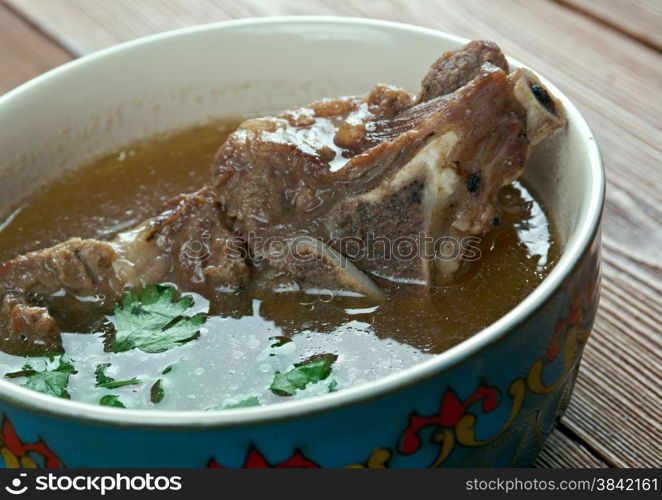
(154, 322)
(244, 403)
(170, 367)
(111, 400)
(333, 385)
(107, 382)
(23, 372)
(118, 383)
(311, 371)
(156, 393)
(52, 380)
(100, 373)
(280, 340)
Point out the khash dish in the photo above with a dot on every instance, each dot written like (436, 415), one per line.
(332, 245)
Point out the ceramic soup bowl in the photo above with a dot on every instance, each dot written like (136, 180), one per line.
(489, 401)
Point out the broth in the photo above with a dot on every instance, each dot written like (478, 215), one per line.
(235, 357)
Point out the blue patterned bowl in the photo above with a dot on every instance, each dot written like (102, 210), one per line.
(490, 401)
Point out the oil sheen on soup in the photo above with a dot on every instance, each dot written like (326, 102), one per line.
(250, 346)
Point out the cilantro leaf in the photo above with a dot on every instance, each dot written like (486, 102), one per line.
(333, 385)
(107, 382)
(111, 400)
(154, 322)
(52, 380)
(311, 371)
(156, 393)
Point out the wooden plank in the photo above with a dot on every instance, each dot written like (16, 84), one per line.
(616, 404)
(561, 451)
(83, 26)
(24, 51)
(617, 83)
(639, 19)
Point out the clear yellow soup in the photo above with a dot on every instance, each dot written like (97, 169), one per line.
(234, 358)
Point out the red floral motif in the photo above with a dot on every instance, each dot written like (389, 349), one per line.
(581, 307)
(255, 460)
(451, 410)
(16, 453)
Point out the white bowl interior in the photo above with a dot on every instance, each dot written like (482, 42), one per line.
(170, 81)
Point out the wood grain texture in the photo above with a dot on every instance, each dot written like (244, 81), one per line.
(617, 84)
(639, 19)
(561, 451)
(24, 51)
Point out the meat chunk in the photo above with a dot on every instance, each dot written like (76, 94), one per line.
(457, 152)
(187, 243)
(391, 170)
(270, 165)
(27, 329)
(198, 251)
(456, 68)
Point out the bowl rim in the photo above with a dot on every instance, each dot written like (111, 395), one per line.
(578, 245)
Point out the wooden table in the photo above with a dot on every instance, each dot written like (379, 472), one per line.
(605, 55)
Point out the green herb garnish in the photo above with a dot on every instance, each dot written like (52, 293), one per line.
(118, 383)
(154, 322)
(279, 341)
(52, 380)
(244, 403)
(333, 385)
(311, 371)
(156, 393)
(106, 382)
(111, 400)
(100, 374)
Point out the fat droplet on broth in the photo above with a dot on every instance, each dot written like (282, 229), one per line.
(264, 368)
